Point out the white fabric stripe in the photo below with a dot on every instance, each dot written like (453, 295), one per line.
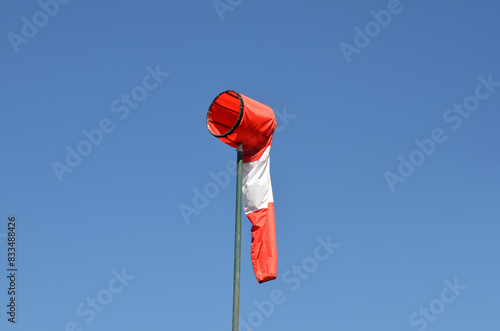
(257, 190)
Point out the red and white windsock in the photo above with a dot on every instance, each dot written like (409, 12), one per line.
(234, 119)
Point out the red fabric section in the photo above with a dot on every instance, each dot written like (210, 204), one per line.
(263, 247)
(255, 129)
(259, 146)
(223, 113)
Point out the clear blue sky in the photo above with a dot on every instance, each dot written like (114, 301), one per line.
(387, 147)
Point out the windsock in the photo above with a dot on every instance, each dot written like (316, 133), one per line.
(234, 119)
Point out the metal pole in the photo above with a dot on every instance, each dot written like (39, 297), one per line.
(237, 242)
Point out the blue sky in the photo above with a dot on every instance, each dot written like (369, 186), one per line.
(384, 167)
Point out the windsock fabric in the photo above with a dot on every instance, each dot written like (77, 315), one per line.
(234, 119)
(258, 205)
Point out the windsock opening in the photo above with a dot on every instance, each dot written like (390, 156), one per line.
(225, 113)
